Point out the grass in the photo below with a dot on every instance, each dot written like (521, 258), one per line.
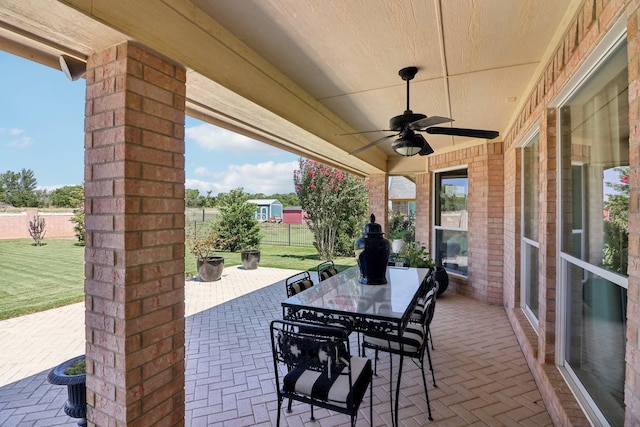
(36, 278)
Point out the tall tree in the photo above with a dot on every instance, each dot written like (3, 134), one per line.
(70, 196)
(335, 203)
(19, 188)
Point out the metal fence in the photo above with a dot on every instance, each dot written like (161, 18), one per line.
(286, 234)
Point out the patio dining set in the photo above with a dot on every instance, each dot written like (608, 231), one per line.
(316, 358)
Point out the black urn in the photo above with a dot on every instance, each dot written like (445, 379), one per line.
(372, 252)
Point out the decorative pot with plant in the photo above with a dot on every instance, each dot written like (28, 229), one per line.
(401, 231)
(418, 256)
(250, 258)
(72, 373)
(201, 241)
(238, 229)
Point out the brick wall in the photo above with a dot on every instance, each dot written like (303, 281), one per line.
(378, 197)
(485, 206)
(16, 225)
(423, 208)
(591, 23)
(134, 218)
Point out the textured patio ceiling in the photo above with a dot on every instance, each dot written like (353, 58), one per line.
(296, 74)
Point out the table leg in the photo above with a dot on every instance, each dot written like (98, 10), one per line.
(398, 389)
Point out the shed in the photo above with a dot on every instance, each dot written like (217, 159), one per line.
(293, 215)
(267, 210)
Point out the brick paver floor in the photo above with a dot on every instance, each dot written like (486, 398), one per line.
(480, 370)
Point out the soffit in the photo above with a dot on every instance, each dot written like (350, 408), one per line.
(296, 74)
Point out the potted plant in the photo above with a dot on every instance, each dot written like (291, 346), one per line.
(250, 258)
(400, 231)
(72, 373)
(202, 241)
(238, 228)
(419, 257)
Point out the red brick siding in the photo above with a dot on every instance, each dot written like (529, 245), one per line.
(378, 197)
(591, 23)
(484, 165)
(134, 173)
(423, 208)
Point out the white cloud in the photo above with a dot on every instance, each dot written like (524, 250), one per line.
(23, 142)
(267, 178)
(213, 138)
(15, 140)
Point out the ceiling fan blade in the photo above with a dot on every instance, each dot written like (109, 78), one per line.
(473, 133)
(429, 121)
(365, 131)
(371, 144)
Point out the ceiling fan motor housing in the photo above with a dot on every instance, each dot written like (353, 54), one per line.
(402, 121)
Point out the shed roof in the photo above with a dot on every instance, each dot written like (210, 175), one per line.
(264, 201)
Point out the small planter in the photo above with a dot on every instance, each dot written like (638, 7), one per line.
(76, 406)
(443, 280)
(397, 246)
(210, 268)
(250, 259)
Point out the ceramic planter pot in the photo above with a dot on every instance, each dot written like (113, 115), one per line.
(76, 406)
(250, 259)
(397, 245)
(210, 268)
(443, 280)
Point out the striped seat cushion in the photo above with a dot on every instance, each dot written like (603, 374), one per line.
(329, 272)
(412, 339)
(332, 388)
(300, 286)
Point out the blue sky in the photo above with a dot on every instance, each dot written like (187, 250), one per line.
(41, 128)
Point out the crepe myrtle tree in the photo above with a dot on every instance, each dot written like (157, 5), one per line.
(335, 203)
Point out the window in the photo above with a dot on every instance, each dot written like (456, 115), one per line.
(530, 202)
(594, 200)
(451, 220)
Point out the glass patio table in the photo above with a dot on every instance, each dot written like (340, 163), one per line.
(377, 309)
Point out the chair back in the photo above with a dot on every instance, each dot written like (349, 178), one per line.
(318, 367)
(325, 270)
(298, 283)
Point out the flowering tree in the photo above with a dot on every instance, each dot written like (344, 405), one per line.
(335, 203)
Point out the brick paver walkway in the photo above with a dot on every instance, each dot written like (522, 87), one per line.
(481, 374)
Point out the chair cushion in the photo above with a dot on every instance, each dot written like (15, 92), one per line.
(300, 286)
(334, 389)
(412, 339)
(329, 272)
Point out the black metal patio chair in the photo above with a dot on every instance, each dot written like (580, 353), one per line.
(325, 270)
(412, 342)
(313, 364)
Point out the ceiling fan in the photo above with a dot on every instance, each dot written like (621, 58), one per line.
(406, 126)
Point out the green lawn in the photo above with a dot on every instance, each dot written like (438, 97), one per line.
(39, 278)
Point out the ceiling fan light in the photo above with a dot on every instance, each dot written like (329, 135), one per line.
(409, 144)
(426, 150)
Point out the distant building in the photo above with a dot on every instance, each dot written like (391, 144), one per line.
(267, 210)
(293, 215)
(402, 196)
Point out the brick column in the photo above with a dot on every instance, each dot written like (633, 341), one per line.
(486, 219)
(134, 201)
(379, 200)
(632, 377)
(423, 209)
(548, 274)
